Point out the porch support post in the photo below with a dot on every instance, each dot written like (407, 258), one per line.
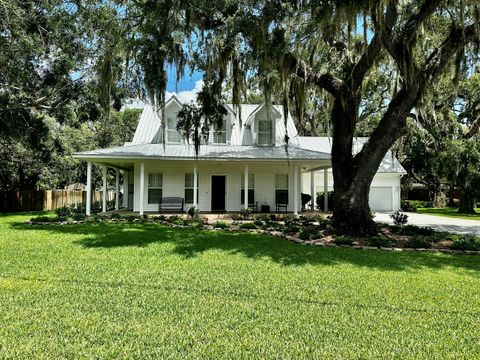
(142, 187)
(312, 189)
(245, 188)
(88, 205)
(195, 185)
(104, 190)
(117, 188)
(125, 189)
(295, 190)
(325, 190)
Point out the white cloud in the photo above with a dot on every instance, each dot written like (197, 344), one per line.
(184, 96)
(187, 95)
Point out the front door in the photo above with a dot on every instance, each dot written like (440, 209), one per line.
(218, 193)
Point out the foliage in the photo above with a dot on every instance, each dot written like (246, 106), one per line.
(418, 242)
(291, 229)
(245, 213)
(408, 205)
(320, 200)
(248, 226)
(64, 211)
(258, 222)
(413, 230)
(380, 241)
(192, 211)
(399, 219)
(309, 233)
(466, 242)
(343, 240)
(221, 225)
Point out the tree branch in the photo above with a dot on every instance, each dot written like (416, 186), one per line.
(473, 129)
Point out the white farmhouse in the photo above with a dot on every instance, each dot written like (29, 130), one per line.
(248, 152)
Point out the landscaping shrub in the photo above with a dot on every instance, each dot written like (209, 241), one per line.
(408, 205)
(258, 222)
(116, 216)
(63, 212)
(417, 243)
(306, 220)
(323, 223)
(78, 216)
(343, 240)
(466, 242)
(412, 230)
(380, 241)
(399, 219)
(194, 223)
(273, 225)
(245, 213)
(309, 233)
(291, 229)
(221, 225)
(40, 219)
(248, 226)
(192, 211)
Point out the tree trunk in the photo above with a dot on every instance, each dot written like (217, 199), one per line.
(467, 202)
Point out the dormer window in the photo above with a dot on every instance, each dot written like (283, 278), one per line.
(264, 132)
(220, 133)
(173, 136)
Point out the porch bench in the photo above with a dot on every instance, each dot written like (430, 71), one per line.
(175, 204)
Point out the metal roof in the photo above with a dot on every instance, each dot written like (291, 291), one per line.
(207, 152)
(389, 164)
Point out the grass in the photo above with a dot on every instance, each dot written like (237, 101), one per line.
(449, 212)
(119, 290)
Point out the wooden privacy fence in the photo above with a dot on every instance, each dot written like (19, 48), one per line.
(38, 200)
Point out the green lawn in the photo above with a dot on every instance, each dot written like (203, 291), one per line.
(449, 212)
(122, 290)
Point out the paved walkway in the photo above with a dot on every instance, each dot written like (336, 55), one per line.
(441, 223)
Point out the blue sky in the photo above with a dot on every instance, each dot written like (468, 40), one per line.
(186, 83)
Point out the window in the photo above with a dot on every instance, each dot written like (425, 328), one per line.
(220, 133)
(155, 185)
(173, 136)
(264, 132)
(189, 188)
(281, 189)
(251, 189)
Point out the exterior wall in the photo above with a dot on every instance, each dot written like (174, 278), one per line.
(389, 180)
(174, 182)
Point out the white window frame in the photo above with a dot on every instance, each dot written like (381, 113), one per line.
(277, 187)
(269, 132)
(189, 187)
(222, 132)
(173, 132)
(251, 186)
(155, 182)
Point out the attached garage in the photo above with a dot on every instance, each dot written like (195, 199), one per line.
(381, 198)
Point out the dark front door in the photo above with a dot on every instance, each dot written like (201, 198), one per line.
(218, 193)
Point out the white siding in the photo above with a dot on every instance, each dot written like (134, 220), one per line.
(174, 182)
(391, 181)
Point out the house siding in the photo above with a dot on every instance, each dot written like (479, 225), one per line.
(174, 182)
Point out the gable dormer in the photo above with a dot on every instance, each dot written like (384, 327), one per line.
(223, 135)
(172, 107)
(263, 127)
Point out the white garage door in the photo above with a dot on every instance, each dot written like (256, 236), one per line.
(380, 198)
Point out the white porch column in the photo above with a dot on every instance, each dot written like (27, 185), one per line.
(117, 190)
(142, 187)
(88, 205)
(295, 190)
(245, 188)
(325, 190)
(195, 185)
(104, 190)
(125, 189)
(312, 189)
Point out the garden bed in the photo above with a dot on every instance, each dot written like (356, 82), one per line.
(306, 230)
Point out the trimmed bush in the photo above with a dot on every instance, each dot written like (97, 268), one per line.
(418, 243)
(380, 241)
(466, 242)
(309, 233)
(399, 219)
(343, 240)
(248, 226)
(221, 225)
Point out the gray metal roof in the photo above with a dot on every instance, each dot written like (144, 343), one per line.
(389, 164)
(207, 152)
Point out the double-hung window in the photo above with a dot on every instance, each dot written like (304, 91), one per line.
(220, 133)
(189, 188)
(251, 189)
(264, 132)
(155, 187)
(281, 188)
(173, 136)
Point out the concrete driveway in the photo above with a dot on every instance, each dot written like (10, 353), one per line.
(440, 223)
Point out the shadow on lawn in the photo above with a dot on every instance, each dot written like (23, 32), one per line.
(191, 243)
